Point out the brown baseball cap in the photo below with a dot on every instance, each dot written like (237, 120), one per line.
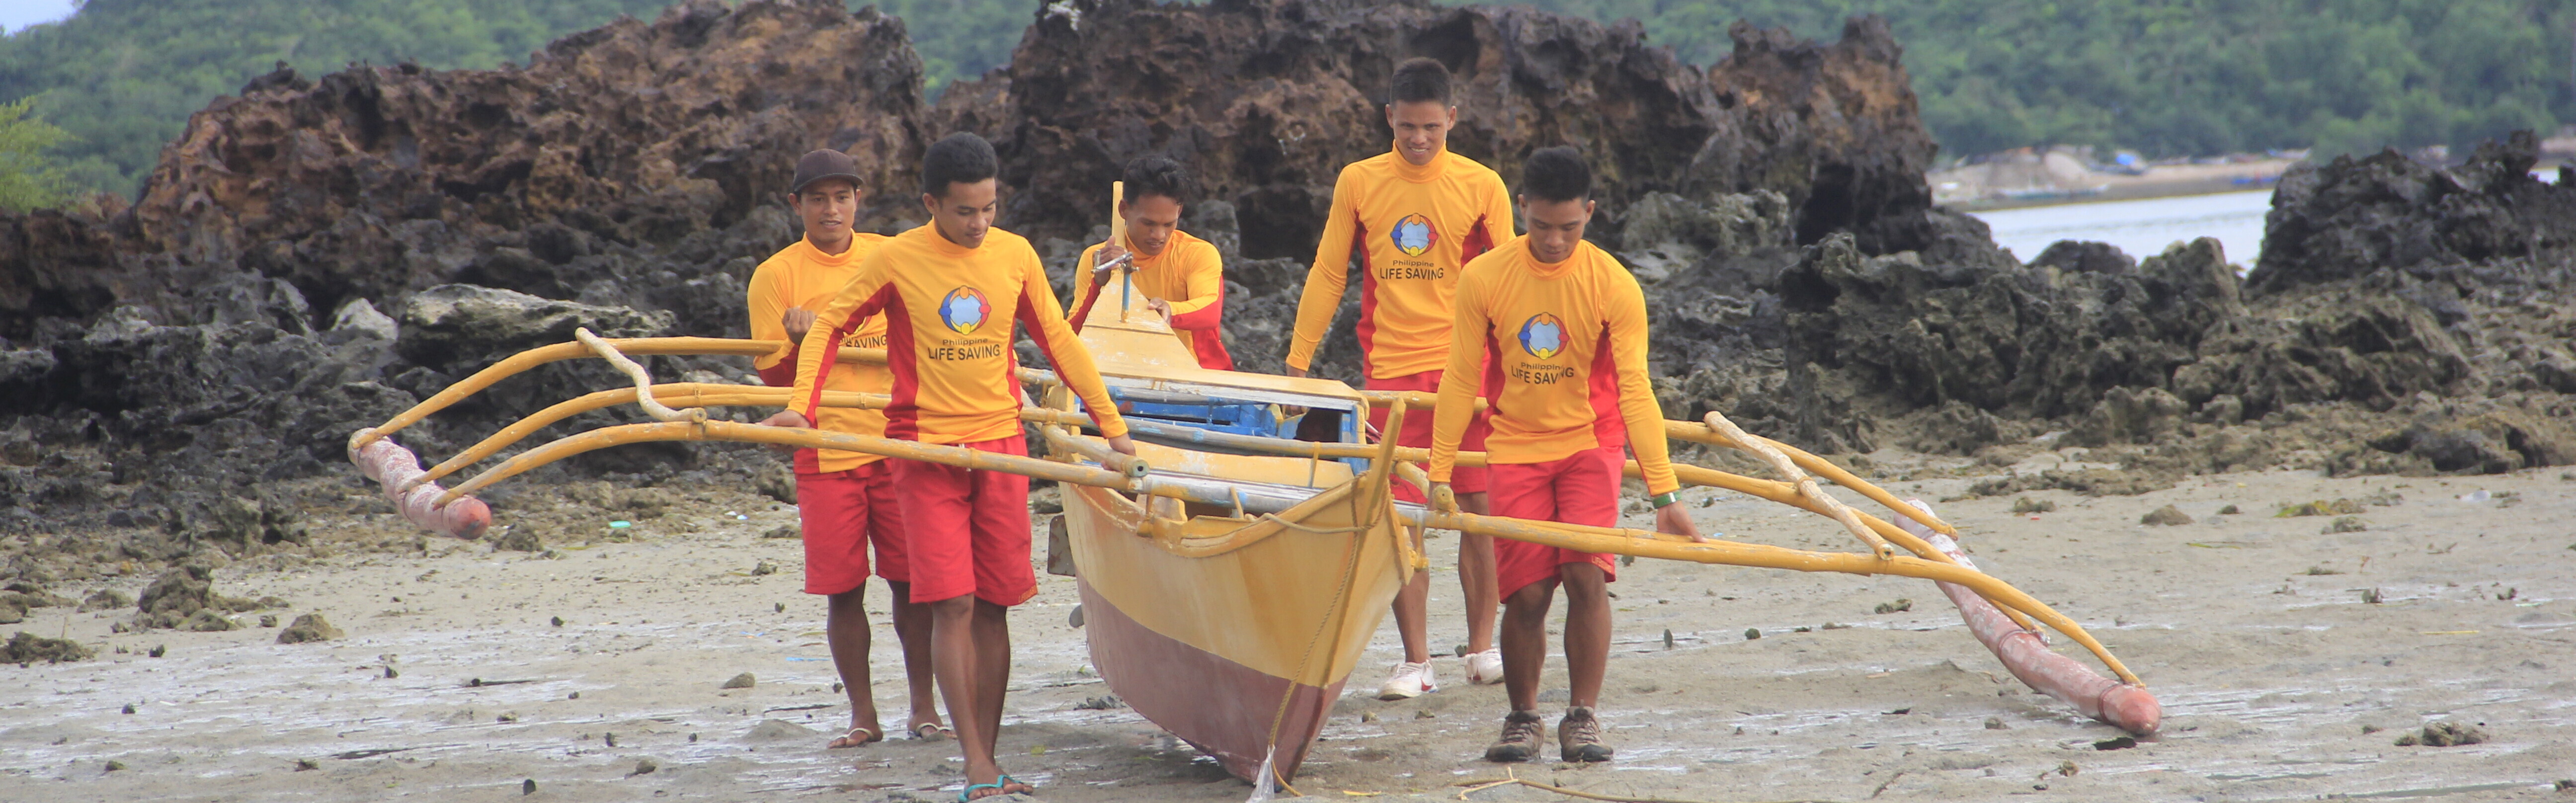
(823, 164)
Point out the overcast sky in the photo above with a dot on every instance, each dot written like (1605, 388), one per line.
(16, 14)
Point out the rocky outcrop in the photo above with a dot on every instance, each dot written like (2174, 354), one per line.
(1266, 100)
(2356, 218)
(2403, 318)
(315, 255)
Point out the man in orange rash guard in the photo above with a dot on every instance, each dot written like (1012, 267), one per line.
(1181, 277)
(1558, 328)
(846, 500)
(1413, 217)
(951, 292)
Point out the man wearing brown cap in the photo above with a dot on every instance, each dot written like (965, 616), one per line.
(846, 499)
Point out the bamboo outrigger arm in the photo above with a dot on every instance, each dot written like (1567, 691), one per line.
(1650, 544)
(1701, 432)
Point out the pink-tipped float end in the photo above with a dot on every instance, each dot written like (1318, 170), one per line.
(2132, 709)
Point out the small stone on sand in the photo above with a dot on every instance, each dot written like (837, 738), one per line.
(1752, 633)
(2167, 516)
(2443, 734)
(645, 766)
(528, 787)
(308, 627)
(741, 681)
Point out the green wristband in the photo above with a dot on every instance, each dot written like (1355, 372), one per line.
(1665, 498)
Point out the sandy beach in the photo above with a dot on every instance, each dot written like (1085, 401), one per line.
(2278, 680)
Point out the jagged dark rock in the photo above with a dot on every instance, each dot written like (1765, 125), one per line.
(2355, 218)
(1266, 100)
(272, 290)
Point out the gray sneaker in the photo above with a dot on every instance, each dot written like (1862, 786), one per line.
(1523, 732)
(1578, 735)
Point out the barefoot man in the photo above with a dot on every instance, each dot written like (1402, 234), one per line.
(1181, 277)
(1561, 328)
(1413, 217)
(845, 500)
(951, 292)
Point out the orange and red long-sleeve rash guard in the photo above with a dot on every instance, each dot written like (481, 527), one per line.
(1188, 275)
(949, 311)
(1563, 348)
(802, 276)
(1411, 228)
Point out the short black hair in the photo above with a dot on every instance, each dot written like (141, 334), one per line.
(1156, 175)
(959, 158)
(1556, 174)
(1420, 79)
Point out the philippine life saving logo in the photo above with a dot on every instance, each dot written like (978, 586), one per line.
(1542, 336)
(964, 309)
(1414, 235)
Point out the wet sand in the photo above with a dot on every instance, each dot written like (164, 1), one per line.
(2250, 628)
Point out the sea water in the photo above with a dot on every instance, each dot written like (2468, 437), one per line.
(2141, 228)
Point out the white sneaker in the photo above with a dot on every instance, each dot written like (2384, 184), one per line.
(1485, 667)
(1411, 680)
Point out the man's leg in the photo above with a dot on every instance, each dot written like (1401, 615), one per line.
(1477, 582)
(1412, 609)
(845, 630)
(953, 654)
(912, 631)
(1477, 586)
(1524, 650)
(992, 669)
(1587, 494)
(1524, 640)
(999, 516)
(1587, 631)
(835, 514)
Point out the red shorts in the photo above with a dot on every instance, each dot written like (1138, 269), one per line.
(844, 512)
(969, 530)
(1417, 435)
(1581, 489)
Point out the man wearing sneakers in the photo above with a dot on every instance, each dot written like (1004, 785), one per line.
(845, 500)
(1412, 217)
(1559, 328)
(951, 292)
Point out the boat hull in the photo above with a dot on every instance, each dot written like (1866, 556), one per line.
(1237, 645)
(1223, 708)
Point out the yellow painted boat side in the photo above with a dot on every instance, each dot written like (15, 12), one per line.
(1297, 604)
(1296, 600)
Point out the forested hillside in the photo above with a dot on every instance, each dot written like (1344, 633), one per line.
(2167, 77)
(2175, 77)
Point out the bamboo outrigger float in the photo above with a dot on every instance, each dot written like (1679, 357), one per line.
(1253, 564)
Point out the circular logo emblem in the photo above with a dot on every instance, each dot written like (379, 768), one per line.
(1542, 336)
(963, 310)
(1414, 235)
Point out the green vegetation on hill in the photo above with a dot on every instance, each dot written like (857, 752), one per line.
(2167, 77)
(122, 76)
(27, 179)
(2183, 77)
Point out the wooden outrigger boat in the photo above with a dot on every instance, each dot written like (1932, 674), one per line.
(1253, 566)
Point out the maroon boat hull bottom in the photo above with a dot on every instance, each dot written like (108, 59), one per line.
(1223, 708)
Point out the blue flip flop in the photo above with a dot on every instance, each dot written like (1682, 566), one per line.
(967, 795)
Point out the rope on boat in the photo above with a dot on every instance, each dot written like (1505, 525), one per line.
(1368, 509)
